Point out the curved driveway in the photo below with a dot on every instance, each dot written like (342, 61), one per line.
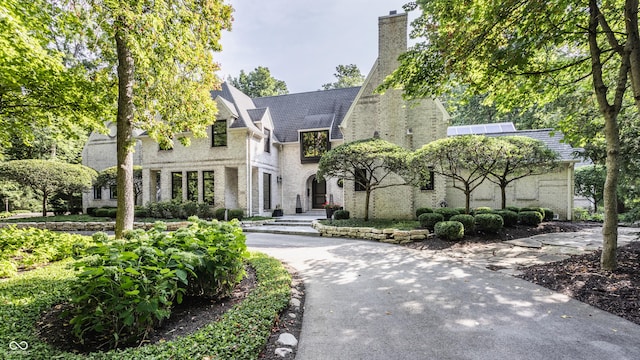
(369, 300)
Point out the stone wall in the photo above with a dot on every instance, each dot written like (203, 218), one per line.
(391, 236)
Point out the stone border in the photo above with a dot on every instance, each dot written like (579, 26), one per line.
(391, 236)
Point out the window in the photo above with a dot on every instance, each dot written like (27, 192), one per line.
(113, 192)
(192, 186)
(313, 144)
(219, 133)
(207, 187)
(429, 183)
(361, 180)
(176, 185)
(97, 192)
(266, 191)
(267, 140)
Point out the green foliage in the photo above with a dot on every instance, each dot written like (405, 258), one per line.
(259, 83)
(580, 214)
(108, 177)
(423, 210)
(482, 210)
(28, 248)
(548, 214)
(449, 230)
(236, 214)
(531, 218)
(533, 208)
(178, 209)
(347, 76)
(109, 212)
(47, 177)
(24, 298)
(447, 213)
(341, 214)
(429, 220)
(461, 210)
(220, 213)
(126, 287)
(377, 159)
(509, 218)
(589, 182)
(489, 223)
(468, 222)
(513, 208)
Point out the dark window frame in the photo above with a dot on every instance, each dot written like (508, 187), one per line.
(267, 140)
(97, 192)
(359, 174)
(175, 185)
(430, 185)
(317, 152)
(113, 192)
(192, 184)
(206, 182)
(266, 193)
(219, 133)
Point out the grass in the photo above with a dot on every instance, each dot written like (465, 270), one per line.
(377, 223)
(240, 334)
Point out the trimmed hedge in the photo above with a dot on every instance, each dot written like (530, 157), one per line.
(446, 212)
(532, 218)
(515, 209)
(423, 210)
(489, 223)
(510, 218)
(548, 214)
(341, 214)
(449, 230)
(482, 210)
(429, 220)
(467, 221)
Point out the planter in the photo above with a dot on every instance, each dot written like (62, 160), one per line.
(277, 213)
(330, 213)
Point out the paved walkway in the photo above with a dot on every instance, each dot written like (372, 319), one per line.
(369, 300)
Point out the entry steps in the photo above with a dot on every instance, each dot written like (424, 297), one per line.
(289, 225)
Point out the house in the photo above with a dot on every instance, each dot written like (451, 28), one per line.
(263, 153)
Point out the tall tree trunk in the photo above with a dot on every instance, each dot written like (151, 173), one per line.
(366, 205)
(633, 45)
(125, 142)
(503, 193)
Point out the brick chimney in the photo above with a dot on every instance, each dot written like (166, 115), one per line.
(392, 41)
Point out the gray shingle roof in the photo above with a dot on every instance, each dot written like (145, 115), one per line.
(310, 110)
(551, 138)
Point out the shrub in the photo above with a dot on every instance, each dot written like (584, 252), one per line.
(538, 209)
(467, 221)
(449, 230)
(447, 213)
(236, 214)
(515, 209)
(219, 213)
(126, 287)
(510, 218)
(548, 214)
(341, 215)
(106, 212)
(532, 218)
(140, 212)
(4, 215)
(489, 223)
(190, 208)
(205, 211)
(429, 220)
(580, 214)
(482, 210)
(462, 211)
(423, 210)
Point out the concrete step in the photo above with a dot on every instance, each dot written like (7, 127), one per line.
(285, 230)
(289, 223)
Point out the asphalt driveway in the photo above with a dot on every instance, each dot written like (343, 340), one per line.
(369, 300)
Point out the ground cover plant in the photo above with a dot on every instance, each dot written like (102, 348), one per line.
(24, 249)
(240, 333)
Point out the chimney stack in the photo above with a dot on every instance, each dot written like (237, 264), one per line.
(392, 40)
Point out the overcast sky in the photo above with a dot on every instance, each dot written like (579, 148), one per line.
(302, 41)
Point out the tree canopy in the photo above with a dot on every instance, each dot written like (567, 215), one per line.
(347, 76)
(368, 163)
(532, 52)
(589, 182)
(46, 177)
(259, 83)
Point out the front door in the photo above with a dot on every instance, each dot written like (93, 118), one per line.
(318, 194)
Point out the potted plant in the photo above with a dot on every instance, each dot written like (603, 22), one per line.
(330, 208)
(277, 212)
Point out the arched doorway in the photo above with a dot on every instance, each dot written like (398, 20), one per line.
(318, 193)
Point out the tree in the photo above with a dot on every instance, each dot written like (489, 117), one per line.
(518, 157)
(163, 55)
(526, 52)
(347, 75)
(369, 163)
(109, 177)
(589, 182)
(43, 82)
(46, 177)
(466, 160)
(259, 83)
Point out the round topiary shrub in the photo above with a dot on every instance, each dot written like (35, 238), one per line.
(532, 218)
(538, 209)
(236, 214)
(489, 223)
(423, 210)
(548, 214)
(515, 209)
(467, 221)
(482, 210)
(446, 212)
(219, 214)
(449, 230)
(461, 210)
(509, 218)
(341, 214)
(101, 212)
(140, 212)
(429, 220)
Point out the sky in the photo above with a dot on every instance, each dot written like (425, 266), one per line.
(302, 41)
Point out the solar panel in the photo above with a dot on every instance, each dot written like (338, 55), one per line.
(479, 129)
